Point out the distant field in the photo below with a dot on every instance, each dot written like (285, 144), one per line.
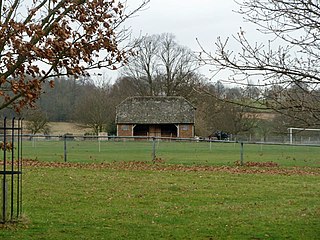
(187, 153)
(60, 128)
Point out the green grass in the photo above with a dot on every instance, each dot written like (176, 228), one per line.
(67, 203)
(188, 153)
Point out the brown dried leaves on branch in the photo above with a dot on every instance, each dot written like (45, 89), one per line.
(67, 37)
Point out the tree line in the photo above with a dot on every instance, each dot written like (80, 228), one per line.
(70, 38)
(91, 105)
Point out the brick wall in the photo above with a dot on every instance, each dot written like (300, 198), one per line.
(124, 130)
(186, 131)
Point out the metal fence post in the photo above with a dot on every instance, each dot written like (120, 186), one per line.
(4, 200)
(4, 179)
(19, 181)
(10, 168)
(65, 147)
(241, 153)
(153, 149)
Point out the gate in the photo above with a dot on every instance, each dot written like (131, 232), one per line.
(11, 170)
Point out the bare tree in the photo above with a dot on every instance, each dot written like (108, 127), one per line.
(40, 39)
(289, 59)
(142, 69)
(37, 122)
(215, 114)
(161, 66)
(95, 108)
(178, 65)
(122, 88)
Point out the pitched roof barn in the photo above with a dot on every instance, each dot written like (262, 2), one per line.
(156, 112)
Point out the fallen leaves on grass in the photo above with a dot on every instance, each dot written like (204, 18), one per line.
(23, 222)
(147, 166)
(258, 164)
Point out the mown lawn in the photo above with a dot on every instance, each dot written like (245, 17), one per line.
(102, 203)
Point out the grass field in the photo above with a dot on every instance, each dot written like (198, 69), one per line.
(102, 203)
(188, 153)
(194, 191)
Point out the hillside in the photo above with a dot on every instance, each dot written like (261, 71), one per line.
(60, 128)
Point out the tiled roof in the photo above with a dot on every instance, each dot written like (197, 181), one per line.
(155, 110)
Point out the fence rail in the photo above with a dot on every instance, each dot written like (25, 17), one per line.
(80, 148)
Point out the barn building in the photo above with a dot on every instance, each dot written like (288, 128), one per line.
(155, 117)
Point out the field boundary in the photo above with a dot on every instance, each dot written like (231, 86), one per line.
(153, 140)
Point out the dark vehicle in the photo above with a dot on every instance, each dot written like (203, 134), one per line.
(219, 135)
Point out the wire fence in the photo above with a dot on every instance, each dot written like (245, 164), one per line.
(97, 149)
(299, 138)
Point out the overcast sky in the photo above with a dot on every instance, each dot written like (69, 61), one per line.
(187, 20)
